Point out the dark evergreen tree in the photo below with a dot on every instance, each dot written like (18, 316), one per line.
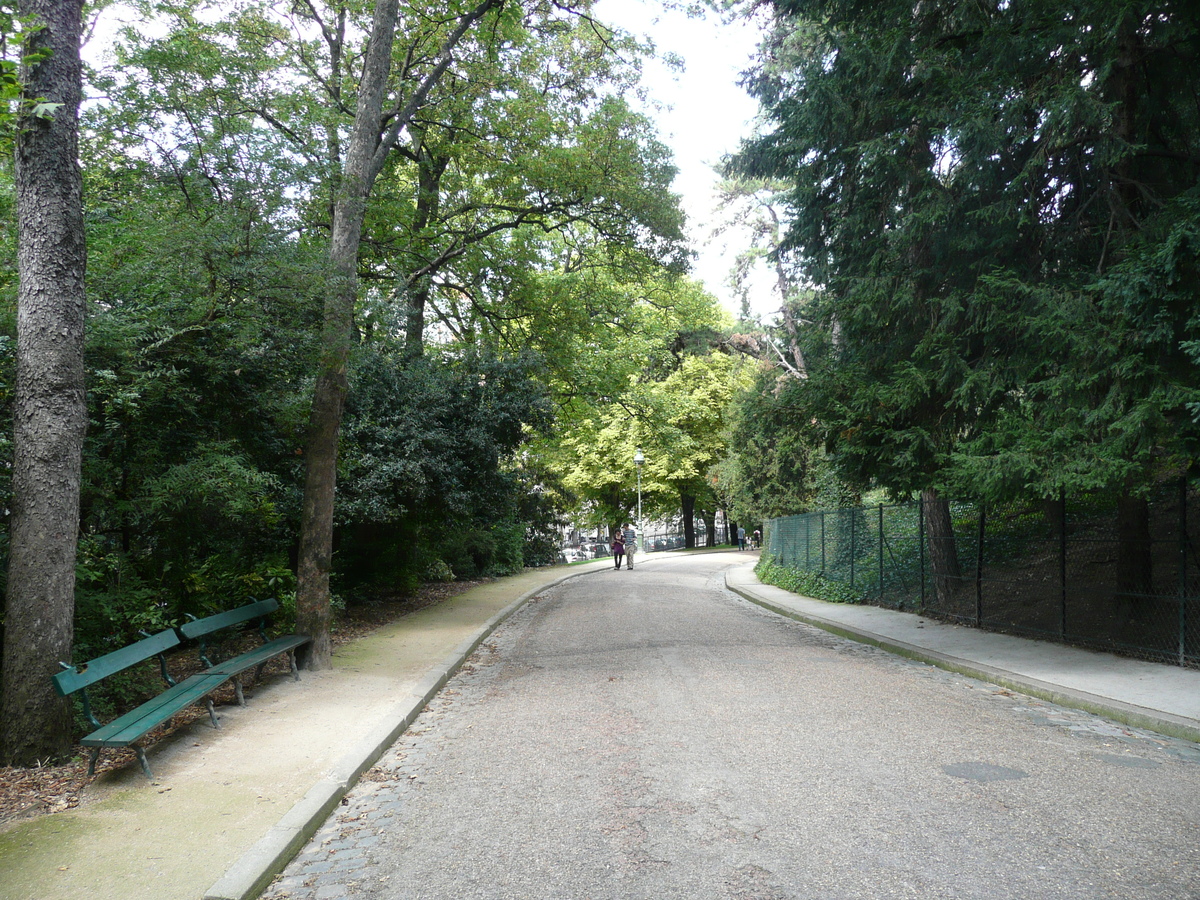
(999, 205)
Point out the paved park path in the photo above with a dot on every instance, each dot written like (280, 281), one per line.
(649, 734)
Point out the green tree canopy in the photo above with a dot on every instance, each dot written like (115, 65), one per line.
(668, 397)
(998, 205)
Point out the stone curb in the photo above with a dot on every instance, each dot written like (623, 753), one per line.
(1127, 713)
(247, 878)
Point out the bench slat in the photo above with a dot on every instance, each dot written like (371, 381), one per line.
(260, 655)
(77, 677)
(200, 627)
(126, 729)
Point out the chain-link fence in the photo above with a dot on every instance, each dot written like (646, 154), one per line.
(1114, 574)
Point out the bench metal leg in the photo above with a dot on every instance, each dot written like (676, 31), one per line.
(92, 761)
(141, 755)
(211, 712)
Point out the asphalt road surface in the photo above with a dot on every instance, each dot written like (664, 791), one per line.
(648, 734)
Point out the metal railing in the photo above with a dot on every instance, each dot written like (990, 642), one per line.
(657, 540)
(673, 539)
(1119, 575)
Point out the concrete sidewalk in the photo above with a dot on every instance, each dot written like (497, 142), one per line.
(228, 808)
(1160, 698)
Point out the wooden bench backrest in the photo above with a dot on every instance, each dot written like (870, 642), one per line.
(198, 628)
(77, 677)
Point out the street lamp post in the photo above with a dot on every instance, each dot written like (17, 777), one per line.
(638, 459)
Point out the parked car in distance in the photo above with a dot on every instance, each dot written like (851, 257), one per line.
(671, 542)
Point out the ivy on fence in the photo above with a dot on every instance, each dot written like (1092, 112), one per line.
(1119, 574)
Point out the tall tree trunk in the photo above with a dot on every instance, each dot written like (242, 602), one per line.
(313, 613)
(49, 412)
(943, 550)
(688, 503)
(1055, 512)
(414, 322)
(370, 142)
(1134, 561)
(415, 300)
(431, 167)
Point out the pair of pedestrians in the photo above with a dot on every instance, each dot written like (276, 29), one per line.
(624, 545)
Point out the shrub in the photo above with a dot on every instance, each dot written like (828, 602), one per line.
(805, 582)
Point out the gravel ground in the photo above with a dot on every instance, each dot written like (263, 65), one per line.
(650, 734)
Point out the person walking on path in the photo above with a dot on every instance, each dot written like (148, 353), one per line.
(741, 538)
(630, 544)
(618, 547)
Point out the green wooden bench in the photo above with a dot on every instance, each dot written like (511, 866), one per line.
(201, 630)
(127, 730)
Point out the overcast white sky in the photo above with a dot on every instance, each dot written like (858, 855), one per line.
(707, 114)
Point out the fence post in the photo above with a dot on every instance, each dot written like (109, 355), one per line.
(1062, 561)
(1183, 545)
(921, 546)
(808, 542)
(853, 546)
(880, 554)
(979, 571)
(822, 542)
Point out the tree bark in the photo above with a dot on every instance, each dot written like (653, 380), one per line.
(416, 298)
(943, 550)
(1134, 560)
(430, 169)
(688, 504)
(1055, 512)
(49, 411)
